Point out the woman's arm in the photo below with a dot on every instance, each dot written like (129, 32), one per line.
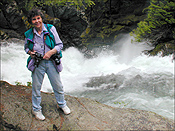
(58, 44)
(31, 53)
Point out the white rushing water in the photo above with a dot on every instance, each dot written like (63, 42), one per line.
(118, 76)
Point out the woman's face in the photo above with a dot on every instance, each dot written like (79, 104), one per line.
(37, 22)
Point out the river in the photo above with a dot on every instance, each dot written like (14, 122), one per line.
(119, 75)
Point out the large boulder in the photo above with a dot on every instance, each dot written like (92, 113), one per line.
(86, 114)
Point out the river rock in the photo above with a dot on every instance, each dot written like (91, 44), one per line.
(86, 114)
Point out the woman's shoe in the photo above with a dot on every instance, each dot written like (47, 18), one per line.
(66, 110)
(38, 115)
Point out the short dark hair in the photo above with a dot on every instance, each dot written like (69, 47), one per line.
(34, 12)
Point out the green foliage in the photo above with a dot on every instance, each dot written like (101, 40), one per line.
(29, 4)
(29, 84)
(159, 23)
(121, 104)
(18, 83)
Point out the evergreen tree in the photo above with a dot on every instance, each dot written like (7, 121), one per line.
(159, 26)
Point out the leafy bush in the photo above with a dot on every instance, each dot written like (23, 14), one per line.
(159, 26)
(29, 4)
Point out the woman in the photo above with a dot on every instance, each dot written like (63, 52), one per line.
(43, 39)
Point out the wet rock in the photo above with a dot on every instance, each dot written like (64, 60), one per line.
(108, 81)
(11, 18)
(3, 35)
(86, 114)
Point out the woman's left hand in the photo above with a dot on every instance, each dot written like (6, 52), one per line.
(49, 54)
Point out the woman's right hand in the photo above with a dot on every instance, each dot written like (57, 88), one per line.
(31, 53)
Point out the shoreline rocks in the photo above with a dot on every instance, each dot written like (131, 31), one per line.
(86, 114)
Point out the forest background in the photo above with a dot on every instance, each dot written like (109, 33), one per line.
(90, 23)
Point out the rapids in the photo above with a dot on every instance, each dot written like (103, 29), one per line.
(119, 75)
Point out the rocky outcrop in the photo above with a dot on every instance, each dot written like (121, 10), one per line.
(109, 18)
(72, 24)
(86, 114)
(11, 22)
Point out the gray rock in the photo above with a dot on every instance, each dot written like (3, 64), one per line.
(11, 18)
(86, 114)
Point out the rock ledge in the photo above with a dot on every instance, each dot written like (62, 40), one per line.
(86, 114)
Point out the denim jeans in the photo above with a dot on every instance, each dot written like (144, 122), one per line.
(46, 66)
